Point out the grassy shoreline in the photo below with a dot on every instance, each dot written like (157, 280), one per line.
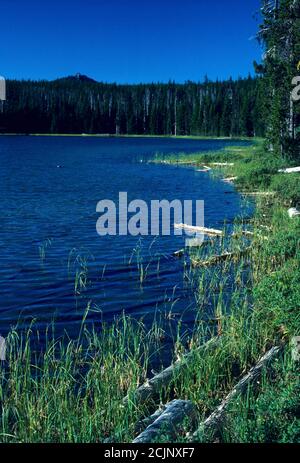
(270, 412)
(74, 390)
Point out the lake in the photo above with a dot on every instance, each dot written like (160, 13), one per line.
(53, 262)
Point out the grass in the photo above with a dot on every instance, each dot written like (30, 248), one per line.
(269, 412)
(43, 249)
(255, 169)
(73, 390)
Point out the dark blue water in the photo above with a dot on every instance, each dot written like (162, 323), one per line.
(48, 228)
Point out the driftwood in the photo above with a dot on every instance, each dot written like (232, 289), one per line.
(258, 193)
(222, 164)
(210, 231)
(293, 212)
(144, 423)
(205, 231)
(187, 163)
(229, 179)
(215, 420)
(183, 163)
(179, 253)
(219, 258)
(227, 255)
(290, 170)
(204, 169)
(152, 387)
(169, 421)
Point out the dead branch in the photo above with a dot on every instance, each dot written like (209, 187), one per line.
(215, 420)
(220, 258)
(205, 231)
(152, 387)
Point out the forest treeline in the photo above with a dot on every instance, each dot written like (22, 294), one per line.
(279, 34)
(80, 105)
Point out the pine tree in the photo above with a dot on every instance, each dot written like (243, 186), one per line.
(280, 36)
(73, 105)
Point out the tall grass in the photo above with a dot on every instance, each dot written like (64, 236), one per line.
(72, 390)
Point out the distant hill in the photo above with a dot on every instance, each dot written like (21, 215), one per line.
(77, 78)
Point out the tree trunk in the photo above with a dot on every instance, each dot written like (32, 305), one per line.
(215, 420)
(169, 422)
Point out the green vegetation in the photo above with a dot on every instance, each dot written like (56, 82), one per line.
(73, 391)
(280, 35)
(270, 411)
(269, 414)
(255, 168)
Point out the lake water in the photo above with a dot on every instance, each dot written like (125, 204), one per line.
(48, 227)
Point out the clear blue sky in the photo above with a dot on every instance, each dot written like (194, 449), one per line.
(128, 40)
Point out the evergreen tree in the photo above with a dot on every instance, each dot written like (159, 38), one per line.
(81, 105)
(280, 34)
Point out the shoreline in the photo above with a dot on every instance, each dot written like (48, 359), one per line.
(177, 137)
(261, 315)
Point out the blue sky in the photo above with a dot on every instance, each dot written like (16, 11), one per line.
(128, 41)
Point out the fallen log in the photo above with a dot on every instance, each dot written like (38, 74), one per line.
(179, 253)
(152, 387)
(258, 193)
(230, 179)
(204, 230)
(293, 212)
(215, 420)
(169, 422)
(143, 424)
(219, 258)
(173, 162)
(222, 164)
(290, 170)
(204, 169)
(187, 162)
